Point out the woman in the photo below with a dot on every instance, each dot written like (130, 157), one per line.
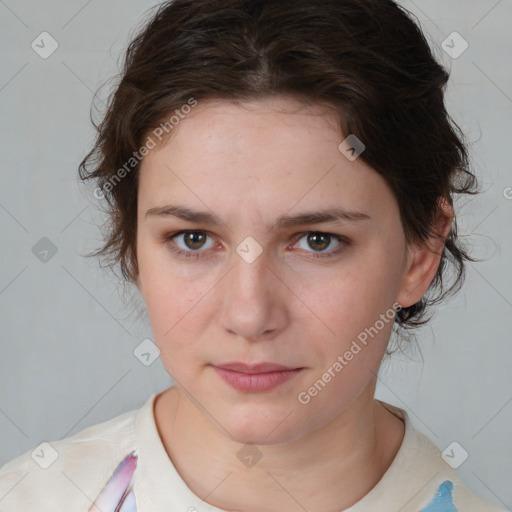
(280, 180)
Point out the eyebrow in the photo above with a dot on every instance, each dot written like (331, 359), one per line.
(284, 221)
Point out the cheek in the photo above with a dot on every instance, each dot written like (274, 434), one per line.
(173, 312)
(355, 299)
(173, 319)
(167, 297)
(178, 311)
(350, 306)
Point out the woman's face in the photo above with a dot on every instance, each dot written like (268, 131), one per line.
(255, 281)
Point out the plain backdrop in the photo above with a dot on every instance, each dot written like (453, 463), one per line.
(67, 337)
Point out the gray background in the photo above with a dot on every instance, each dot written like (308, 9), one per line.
(67, 336)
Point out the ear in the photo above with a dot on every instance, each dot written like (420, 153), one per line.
(423, 259)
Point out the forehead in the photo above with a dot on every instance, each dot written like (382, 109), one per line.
(259, 155)
(268, 121)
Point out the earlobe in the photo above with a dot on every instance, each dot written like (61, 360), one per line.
(423, 259)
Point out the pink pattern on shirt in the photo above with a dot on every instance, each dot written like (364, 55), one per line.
(117, 495)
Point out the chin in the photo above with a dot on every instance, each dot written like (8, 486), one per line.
(257, 428)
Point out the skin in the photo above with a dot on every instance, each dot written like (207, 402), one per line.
(249, 164)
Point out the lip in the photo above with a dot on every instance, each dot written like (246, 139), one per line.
(257, 377)
(254, 368)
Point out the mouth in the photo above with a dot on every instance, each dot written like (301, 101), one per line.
(255, 378)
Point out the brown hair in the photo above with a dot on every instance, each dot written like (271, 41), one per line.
(368, 59)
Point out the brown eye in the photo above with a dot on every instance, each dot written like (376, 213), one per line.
(189, 242)
(194, 239)
(320, 245)
(319, 241)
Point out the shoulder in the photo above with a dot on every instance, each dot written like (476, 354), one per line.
(429, 477)
(68, 472)
(451, 489)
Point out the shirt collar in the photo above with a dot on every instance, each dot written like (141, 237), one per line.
(159, 487)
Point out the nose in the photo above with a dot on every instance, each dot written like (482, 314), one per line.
(253, 300)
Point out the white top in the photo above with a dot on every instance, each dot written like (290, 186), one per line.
(79, 467)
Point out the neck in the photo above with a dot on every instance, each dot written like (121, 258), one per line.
(329, 469)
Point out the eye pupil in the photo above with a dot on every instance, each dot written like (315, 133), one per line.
(315, 237)
(192, 237)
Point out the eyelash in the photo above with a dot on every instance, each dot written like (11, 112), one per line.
(168, 240)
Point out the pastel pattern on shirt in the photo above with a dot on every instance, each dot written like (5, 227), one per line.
(443, 500)
(117, 495)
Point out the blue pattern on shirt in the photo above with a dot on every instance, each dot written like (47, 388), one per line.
(443, 500)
